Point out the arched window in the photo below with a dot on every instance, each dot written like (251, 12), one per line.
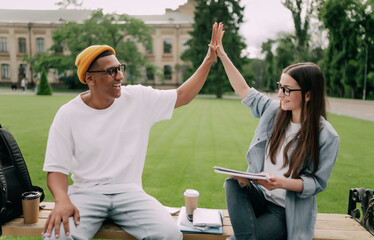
(5, 71)
(167, 72)
(40, 46)
(3, 44)
(168, 45)
(21, 45)
(150, 73)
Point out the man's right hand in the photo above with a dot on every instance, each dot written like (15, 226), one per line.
(64, 208)
(61, 213)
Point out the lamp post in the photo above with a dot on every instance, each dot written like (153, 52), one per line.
(366, 69)
(30, 51)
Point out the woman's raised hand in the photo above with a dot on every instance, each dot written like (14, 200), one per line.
(219, 48)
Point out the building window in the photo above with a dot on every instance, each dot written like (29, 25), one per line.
(167, 72)
(59, 48)
(168, 44)
(150, 73)
(3, 44)
(148, 47)
(21, 45)
(184, 44)
(23, 70)
(5, 71)
(40, 48)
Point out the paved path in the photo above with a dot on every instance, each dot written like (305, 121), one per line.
(352, 107)
(348, 107)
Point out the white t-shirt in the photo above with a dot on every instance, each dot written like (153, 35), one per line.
(104, 150)
(278, 196)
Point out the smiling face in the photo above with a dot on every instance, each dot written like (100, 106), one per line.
(293, 102)
(102, 84)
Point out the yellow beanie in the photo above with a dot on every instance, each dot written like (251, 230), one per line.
(85, 58)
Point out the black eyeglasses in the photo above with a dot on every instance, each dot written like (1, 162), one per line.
(286, 91)
(112, 71)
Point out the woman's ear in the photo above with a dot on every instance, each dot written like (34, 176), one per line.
(308, 96)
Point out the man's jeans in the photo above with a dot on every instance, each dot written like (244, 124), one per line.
(137, 213)
(252, 216)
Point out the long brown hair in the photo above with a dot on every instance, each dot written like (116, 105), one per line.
(310, 79)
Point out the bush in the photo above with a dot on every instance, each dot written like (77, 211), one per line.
(72, 82)
(44, 87)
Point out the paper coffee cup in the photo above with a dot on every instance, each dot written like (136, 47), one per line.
(191, 196)
(30, 207)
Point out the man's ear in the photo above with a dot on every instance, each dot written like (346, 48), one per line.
(88, 78)
(307, 96)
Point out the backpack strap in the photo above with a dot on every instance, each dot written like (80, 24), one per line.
(3, 190)
(3, 187)
(39, 189)
(17, 158)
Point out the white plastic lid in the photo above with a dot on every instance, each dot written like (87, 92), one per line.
(191, 193)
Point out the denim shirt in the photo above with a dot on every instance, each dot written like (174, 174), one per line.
(301, 208)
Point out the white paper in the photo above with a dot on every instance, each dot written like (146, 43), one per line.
(203, 217)
(241, 174)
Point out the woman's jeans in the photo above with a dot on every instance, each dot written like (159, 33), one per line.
(252, 216)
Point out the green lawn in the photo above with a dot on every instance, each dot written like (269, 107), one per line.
(182, 151)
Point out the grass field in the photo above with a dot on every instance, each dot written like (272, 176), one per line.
(182, 151)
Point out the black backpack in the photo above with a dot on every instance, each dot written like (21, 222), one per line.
(14, 178)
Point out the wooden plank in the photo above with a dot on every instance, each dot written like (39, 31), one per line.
(111, 231)
(326, 234)
(339, 226)
(328, 227)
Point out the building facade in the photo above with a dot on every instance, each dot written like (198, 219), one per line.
(29, 32)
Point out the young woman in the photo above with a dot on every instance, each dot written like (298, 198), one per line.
(294, 144)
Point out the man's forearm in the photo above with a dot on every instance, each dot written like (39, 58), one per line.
(190, 88)
(58, 185)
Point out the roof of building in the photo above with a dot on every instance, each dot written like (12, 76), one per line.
(55, 16)
(169, 17)
(43, 16)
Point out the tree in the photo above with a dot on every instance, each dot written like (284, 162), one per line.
(302, 11)
(365, 20)
(121, 32)
(269, 74)
(230, 13)
(44, 87)
(64, 4)
(285, 53)
(253, 72)
(350, 34)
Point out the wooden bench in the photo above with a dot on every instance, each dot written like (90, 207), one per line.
(328, 226)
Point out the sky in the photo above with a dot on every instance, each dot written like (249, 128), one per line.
(264, 19)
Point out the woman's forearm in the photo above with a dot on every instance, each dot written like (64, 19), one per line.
(296, 185)
(236, 79)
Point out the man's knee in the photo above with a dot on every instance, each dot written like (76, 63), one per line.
(169, 232)
(61, 236)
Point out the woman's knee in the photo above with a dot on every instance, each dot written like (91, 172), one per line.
(231, 184)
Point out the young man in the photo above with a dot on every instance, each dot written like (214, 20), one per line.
(101, 138)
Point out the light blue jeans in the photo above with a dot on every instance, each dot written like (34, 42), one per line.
(137, 213)
(252, 216)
